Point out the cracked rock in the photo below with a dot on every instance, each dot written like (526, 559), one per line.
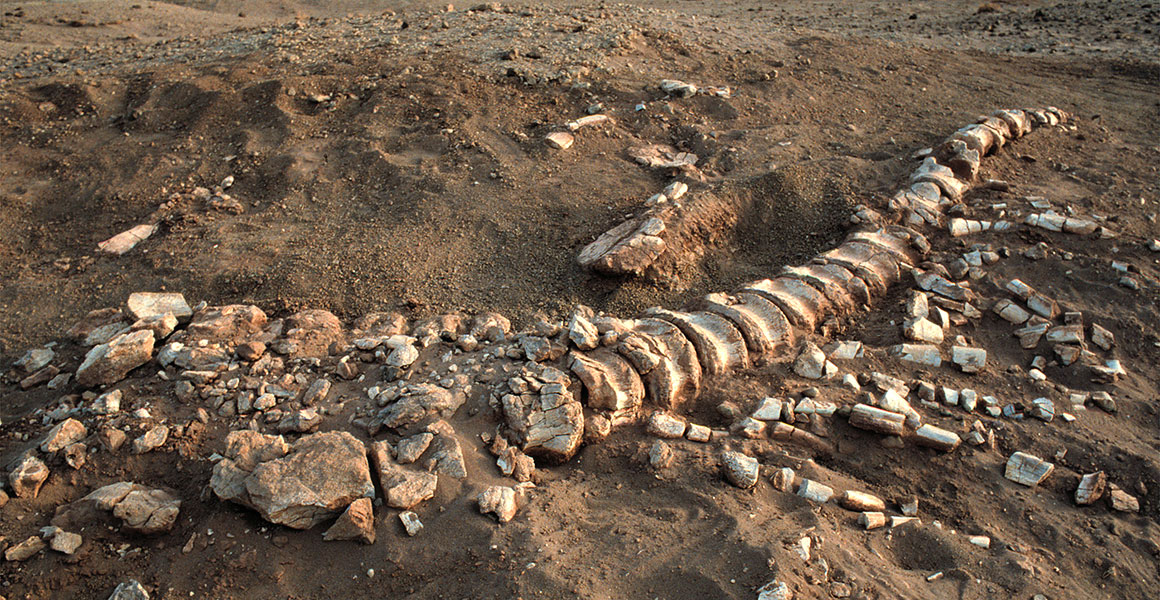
(27, 475)
(34, 360)
(811, 363)
(1026, 469)
(66, 542)
(148, 305)
(110, 362)
(300, 421)
(25, 550)
(582, 332)
(419, 402)
(148, 511)
(140, 509)
(404, 489)
(1091, 488)
(357, 522)
(235, 322)
(739, 469)
(320, 475)
(660, 455)
(499, 501)
(66, 433)
(151, 440)
(445, 456)
(129, 590)
(411, 523)
(665, 426)
(408, 450)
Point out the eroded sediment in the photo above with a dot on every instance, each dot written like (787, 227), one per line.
(555, 386)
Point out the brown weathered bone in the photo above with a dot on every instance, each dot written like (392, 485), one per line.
(609, 380)
(766, 329)
(666, 361)
(720, 346)
(804, 305)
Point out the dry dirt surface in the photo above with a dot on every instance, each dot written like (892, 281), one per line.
(391, 157)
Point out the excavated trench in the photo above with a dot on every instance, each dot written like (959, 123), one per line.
(743, 228)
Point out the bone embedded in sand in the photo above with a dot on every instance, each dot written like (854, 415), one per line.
(961, 159)
(1065, 334)
(862, 502)
(126, 240)
(609, 380)
(1122, 501)
(969, 360)
(739, 469)
(811, 363)
(783, 479)
(802, 304)
(665, 359)
(868, 260)
(1043, 306)
(872, 520)
(981, 541)
(678, 88)
(698, 433)
(902, 243)
(877, 420)
(720, 346)
(561, 140)
(1011, 312)
(896, 521)
(587, 121)
(923, 354)
(937, 438)
(893, 401)
(959, 227)
(1026, 469)
(1030, 336)
(922, 330)
(814, 491)
(795, 435)
(845, 290)
(1079, 226)
(764, 327)
(932, 172)
(750, 428)
(627, 249)
(665, 426)
(1102, 337)
(1017, 121)
(1091, 488)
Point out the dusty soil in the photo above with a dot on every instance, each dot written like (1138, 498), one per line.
(394, 159)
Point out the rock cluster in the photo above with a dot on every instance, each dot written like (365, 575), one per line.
(299, 485)
(139, 508)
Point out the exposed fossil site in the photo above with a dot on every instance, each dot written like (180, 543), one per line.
(694, 356)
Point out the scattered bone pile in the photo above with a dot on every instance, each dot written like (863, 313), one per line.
(554, 387)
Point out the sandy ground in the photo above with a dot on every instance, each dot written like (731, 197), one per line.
(390, 156)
